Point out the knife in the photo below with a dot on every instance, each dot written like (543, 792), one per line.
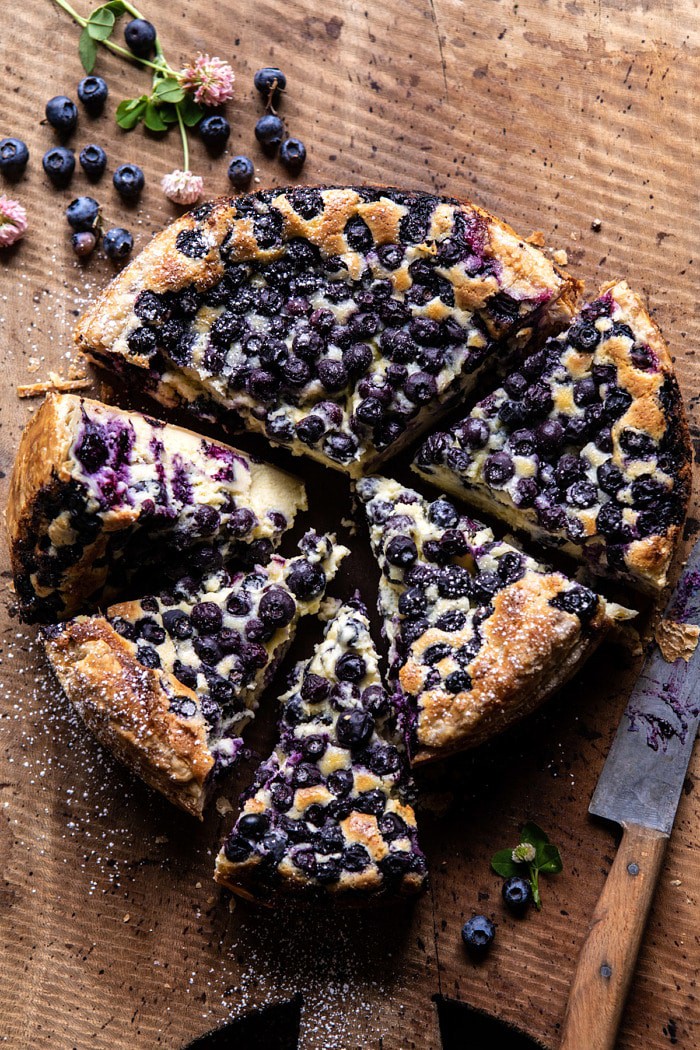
(639, 788)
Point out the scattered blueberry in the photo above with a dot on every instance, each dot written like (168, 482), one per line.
(478, 933)
(140, 37)
(62, 114)
(83, 243)
(82, 213)
(270, 81)
(92, 92)
(59, 165)
(240, 172)
(293, 154)
(268, 131)
(13, 157)
(128, 181)
(118, 243)
(517, 893)
(214, 132)
(93, 161)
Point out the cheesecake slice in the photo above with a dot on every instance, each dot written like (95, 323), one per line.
(98, 494)
(585, 446)
(338, 322)
(328, 816)
(480, 634)
(168, 683)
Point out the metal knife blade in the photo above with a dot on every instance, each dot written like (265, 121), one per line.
(643, 775)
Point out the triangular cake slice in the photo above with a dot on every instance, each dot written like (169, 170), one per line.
(586, 445)
(98, 493)
(480, 634)
(338, 322)
(328, 815)
(168, 683)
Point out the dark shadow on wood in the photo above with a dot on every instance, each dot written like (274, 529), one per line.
(464, 1028)
(274, 1027)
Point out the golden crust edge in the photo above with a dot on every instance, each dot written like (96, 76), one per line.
(93, 664)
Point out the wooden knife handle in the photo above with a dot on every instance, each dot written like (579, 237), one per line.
(606, 963)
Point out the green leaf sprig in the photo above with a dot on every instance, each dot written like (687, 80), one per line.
(168, 103)
(534, 854)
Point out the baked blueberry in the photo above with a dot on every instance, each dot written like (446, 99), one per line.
(325, 845)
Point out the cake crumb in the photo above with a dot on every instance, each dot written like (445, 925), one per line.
(676, 640)
(126, 917)
(223, 806)
(560, 257)
(53, 383)
(536, 238)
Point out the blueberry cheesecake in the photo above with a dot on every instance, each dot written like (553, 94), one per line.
(480, 634)
(328, 816)
(168, 683)
(585, 446)
(98, 493)
(337, 322)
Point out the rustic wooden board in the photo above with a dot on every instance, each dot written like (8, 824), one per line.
(552, 114)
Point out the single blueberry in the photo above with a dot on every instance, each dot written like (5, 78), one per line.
(140, 37)
(92, 92)
(93, 161)
(517, 893)
(240, 172)
(269, 82)
(62, 114)
(128, 181)
(59, 165)
(14, 156)
(293, 154)
(118, 243)
(478, 934)
(268, 131)
(214, 132)
(82, 213)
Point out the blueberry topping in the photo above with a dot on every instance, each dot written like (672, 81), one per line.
(354, 728)
(306, 580)
(350, 667)
(401, 551)
(277, 607)
(498, 469)
(207, 617)
(252, 826)
(578, 601)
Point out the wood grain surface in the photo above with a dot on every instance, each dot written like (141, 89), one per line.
(553, 114)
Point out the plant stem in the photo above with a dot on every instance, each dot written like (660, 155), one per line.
(535, 883)
(160, 66)
(185, 143)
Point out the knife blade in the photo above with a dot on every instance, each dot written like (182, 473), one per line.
(639, 788)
